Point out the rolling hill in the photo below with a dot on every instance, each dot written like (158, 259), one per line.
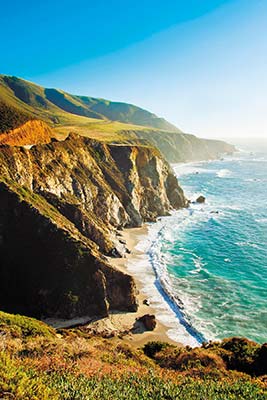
(103, 120)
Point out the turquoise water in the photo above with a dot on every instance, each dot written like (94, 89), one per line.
(211, 259)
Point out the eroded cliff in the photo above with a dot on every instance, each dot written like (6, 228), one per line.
(62, 204)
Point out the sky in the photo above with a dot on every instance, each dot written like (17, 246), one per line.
(201, 64)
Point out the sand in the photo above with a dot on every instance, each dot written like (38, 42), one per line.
(120, 324)
(125, 321)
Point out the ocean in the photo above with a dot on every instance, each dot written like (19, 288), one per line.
(204, 268)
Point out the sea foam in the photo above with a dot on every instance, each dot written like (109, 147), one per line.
(205, 268)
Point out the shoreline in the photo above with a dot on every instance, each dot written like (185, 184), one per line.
(132, 237)
(119, 324)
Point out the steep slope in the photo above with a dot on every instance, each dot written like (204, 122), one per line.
(61, 206)
(37, 362)
(12, 117)
(184, 147)
(100, 119)
(53, 101)
(31, 133)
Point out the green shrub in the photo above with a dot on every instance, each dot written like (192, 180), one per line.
(18, 325)
(18, 383)
(260, 363)
(151, 348)
(238, 353)
(151, 387)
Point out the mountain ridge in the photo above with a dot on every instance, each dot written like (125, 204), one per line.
(39, 97)
(100, 119)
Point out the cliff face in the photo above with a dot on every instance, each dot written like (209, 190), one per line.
(183, 147)
(61, 206)
(30, 133)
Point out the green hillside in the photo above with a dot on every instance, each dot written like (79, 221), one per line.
(99, 119)
(50, 102)
(40, 363)
(11, 117)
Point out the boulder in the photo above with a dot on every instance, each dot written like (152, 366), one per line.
(201, 199)
(149, 321)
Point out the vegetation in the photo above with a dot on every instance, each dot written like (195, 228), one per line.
(20, 326)
(74, 365)
(100, 119)
(238, 354)
(53, 99)
(30, 133)
(152, 348)
(150, 387)
(11, 117)
(63, 109)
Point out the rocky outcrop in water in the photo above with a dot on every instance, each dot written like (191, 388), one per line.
(62, 205)
(201, 199)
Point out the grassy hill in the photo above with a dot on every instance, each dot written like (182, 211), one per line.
(40, 363)
(52, 104)
(103, 120)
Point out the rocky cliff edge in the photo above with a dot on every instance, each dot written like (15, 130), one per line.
(62, 205)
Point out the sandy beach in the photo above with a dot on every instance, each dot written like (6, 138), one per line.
(120, 324)
(125, 321)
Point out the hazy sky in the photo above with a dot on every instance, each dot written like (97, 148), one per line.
(201, 64)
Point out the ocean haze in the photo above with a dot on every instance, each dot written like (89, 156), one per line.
(254, 144)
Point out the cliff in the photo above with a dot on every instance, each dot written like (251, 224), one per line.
(28, 134)
(61, 206)
(74, 170)
(184, 147)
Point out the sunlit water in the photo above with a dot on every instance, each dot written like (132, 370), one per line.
(210, 260)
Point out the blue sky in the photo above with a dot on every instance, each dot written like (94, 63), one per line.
(201, 64)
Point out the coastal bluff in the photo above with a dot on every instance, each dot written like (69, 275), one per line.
(62, 205)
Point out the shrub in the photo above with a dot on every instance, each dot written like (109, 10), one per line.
(260, 363)
(18, 383)
(238, 353)
(182, 359)
(18, 325)
(151, 348)
(199, 358)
